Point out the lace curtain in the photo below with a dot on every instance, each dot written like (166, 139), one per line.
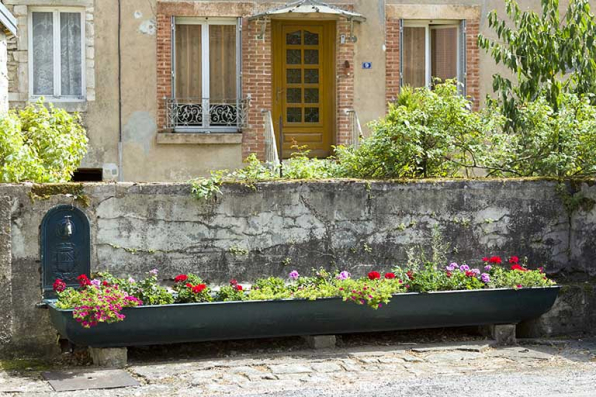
(43, 53)
(70, 53)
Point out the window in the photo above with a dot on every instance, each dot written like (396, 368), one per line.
(56, 58)
(432, 49)
(206, 75)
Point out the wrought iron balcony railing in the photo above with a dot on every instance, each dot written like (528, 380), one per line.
(205, 115)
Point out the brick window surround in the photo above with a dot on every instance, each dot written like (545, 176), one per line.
(407, 12)
(257, 68)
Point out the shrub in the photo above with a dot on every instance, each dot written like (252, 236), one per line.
(426, 133)
(547, 142)
(539, 49)
(40, 144)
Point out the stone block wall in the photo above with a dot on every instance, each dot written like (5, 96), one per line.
(274, 228)
(3, 75)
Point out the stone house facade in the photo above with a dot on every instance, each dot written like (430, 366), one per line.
(8, 27)
(171, 89)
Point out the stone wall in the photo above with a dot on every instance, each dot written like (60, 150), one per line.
(3, 74)
(274, 228)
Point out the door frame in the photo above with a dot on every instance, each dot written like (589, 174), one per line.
(329, 46)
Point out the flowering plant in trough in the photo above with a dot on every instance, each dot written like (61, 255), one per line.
(191, 289)
(95, 301)
(101, 299)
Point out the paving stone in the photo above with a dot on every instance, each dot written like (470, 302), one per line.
(452, 356)
(473, 347)
(326, 367)
(411, 358)
(245, 371)
(289, 369)
(391, 360)
(517, 353)
(369, 360)
(234, 379)
(300, 377)
(156, 372)
(201, 377)
(351, 366)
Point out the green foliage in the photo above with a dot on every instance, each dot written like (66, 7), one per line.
(272, 288)
(539, 49)
(206, 188)
(40, 144)
(230, 293)
(301, 166)
(427, 133)
(546, 142)
(147, 290)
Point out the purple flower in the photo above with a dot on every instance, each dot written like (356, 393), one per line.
(294, 275)
(343, 275)
(485, 278)
(476, 271)
(131, 280)
(96, 282)
(464, 268)
(452, 266)
(487, 268)
(153, 272)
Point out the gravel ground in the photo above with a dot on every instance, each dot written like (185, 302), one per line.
(379, 365)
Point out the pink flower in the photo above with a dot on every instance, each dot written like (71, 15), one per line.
(59, 285)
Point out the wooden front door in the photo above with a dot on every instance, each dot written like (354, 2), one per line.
(304, 85)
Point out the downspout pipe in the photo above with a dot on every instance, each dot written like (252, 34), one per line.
(120, 149)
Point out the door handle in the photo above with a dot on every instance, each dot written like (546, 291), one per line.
(278, 93)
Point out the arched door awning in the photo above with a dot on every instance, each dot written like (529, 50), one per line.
(309, 7)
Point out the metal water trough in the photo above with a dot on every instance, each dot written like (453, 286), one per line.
(197, 322)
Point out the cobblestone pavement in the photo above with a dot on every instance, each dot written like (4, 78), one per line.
(472, 368)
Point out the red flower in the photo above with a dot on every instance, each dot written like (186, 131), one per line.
(59, 285)
(519, 286)
(495, 259)
(470, 274)
(198, 288)
(180, 278)
(374, 275)
(238, 287)
(410, 274)
(390, 276)
(84, 280)
(518, 267)
(188, 285)
(105, 284)
(514, 260)
(233, 282)
(448, 274)
(485, 259)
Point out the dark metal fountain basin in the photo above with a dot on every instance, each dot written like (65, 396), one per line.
(196, 322)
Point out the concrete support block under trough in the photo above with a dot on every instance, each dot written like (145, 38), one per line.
(109, 357)
(504, 334)
(320, 341)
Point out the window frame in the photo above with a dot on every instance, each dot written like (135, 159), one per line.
(57, 95)
(429, 25)
(205, 23)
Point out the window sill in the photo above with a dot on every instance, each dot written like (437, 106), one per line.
(180, 138)
(68, 105)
